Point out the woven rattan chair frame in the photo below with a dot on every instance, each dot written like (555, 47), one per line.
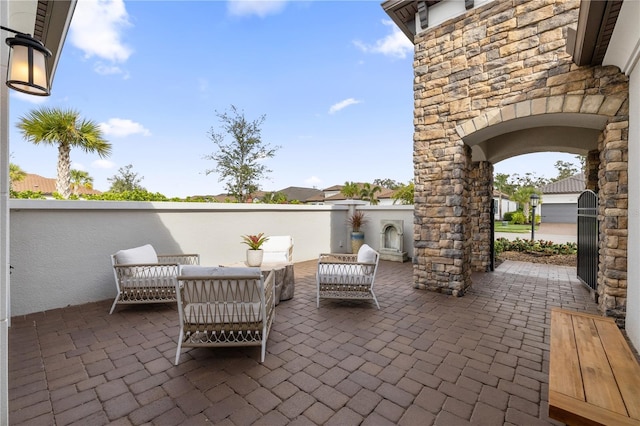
(149, 282)
(341, 276)
(225, 310)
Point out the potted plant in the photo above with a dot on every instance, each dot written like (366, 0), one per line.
(356, 221)
(255, 252)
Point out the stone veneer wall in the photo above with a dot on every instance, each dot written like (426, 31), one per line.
(480, 218)
(612, 215)
(500, 62)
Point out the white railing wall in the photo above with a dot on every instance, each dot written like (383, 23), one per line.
(60, 250)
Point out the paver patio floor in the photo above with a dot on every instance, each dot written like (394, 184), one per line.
(424, 358)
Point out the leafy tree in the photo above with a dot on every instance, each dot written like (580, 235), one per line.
(529, 179)
(565, 170)
(16, 174)
(80, 179)
(126, 180)
(132, 195)
(274, 198)
(64, 128)
(368, 193)
(404, 194)
(522, 196)
(350, 190)
(239, 161)
(387, 183)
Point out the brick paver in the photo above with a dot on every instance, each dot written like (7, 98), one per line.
(423, 358)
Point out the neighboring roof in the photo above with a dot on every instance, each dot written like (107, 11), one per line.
(299, 193)
(571, 185)
(32, 182)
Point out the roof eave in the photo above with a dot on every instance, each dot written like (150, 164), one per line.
(589, 41)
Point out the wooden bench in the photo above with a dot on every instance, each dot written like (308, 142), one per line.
(594, 377)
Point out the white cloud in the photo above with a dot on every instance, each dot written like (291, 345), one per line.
(342, 104)
(260, 8)
(121, 127)
(396, 44)
(106, 69)
(103, 164)
(78, 166)
(28, 98)
(96, 29)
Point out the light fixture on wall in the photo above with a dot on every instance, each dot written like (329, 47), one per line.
(534, 200)
(27, 71)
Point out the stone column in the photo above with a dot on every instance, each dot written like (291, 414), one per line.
(612, 215)
(591, 172)
(441, 248)
(480, 199)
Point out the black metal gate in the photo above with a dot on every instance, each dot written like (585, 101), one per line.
(492, 246)
(588, 239)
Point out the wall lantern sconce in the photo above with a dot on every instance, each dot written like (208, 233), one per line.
(534, 200)
(27, 71)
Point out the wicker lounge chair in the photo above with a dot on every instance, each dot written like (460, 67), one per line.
(347, 276)
(221, 306)
(142, 276)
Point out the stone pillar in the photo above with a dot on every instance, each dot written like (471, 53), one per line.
(612, 215)
(441, 248)
(591, 172)
(480, 199)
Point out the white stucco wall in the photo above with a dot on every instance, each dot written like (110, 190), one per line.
(60, 249)
(624, 52)
(633, 260)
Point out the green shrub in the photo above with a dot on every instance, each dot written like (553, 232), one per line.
(539, 246)
(518, 218)
(508, 216)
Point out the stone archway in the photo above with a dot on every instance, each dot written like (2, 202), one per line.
(487, 84)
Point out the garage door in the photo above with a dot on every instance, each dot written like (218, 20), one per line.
(559, 213)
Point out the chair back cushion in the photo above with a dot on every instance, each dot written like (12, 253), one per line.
(277, 249)
(137, 255)
(366, 254)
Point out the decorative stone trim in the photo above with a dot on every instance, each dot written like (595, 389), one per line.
(587, 104)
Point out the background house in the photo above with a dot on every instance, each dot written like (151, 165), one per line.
(46, 186)
(560, 200)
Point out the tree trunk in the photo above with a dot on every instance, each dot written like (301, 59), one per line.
(63, 182)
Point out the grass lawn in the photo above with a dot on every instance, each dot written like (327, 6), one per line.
(510, 227)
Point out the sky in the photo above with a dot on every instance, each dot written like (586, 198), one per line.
(334, 80)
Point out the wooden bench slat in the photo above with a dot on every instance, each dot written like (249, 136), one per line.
(623, 364)
(575, 412)
(564, 368)
(609, 371)
(600, 386)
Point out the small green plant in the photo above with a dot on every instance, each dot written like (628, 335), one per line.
(508, 216)
(254, 241)
(357, 220)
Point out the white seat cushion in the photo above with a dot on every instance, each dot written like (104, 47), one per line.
(137, 255)
(275, 257)
(217, 271)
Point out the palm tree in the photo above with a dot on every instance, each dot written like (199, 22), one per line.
(368, 193)
(80, 178)
(350, 190)
(16, 174)
(64, 128)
